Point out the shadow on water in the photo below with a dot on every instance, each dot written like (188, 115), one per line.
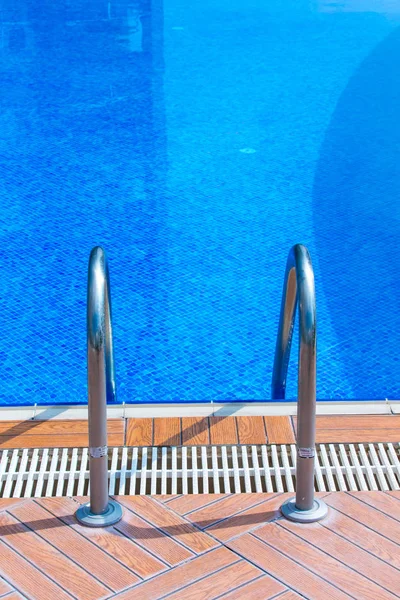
(356, 211)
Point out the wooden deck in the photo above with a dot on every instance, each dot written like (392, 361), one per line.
(202, 547)
(189, 431)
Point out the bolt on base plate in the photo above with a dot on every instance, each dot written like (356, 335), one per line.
(316, 513)
(112, 515)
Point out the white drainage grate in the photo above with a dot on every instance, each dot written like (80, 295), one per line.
(198, 470)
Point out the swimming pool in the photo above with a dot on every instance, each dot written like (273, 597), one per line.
(197, 142)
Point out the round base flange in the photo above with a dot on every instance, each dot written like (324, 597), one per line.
(112, 515)
(316, 513)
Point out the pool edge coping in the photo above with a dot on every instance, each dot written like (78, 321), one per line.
(79, 411)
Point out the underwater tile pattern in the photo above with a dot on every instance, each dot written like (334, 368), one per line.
(197, 142)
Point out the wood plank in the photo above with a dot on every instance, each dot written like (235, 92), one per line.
(14, 596)
(279, 430)
(54, 427)
(361, 575)
(26, 578)
(356, 428)
(7, 503)
(195, 431)
(263, 588)
(49, 560)
(250, 519)
(370, 540)
(358, 436)
(167, 432)
(223, 430)
(91, 558)
(290, 595)
(381, 501)
(56, 441)
(229, 506)
(160, 516)
(189, 503)
(4, 587)
(224, 581)
(365, 514)
(354, 422)
(182, 575)
(251, 430)
(286, 570)
(112, 542)
(162, 546)
(139, 432)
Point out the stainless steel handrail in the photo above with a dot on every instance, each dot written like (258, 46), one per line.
(100, 511)
(299, 288)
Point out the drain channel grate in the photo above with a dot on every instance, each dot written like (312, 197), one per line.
(27, 473)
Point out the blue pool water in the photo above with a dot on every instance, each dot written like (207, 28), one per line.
(197, 142)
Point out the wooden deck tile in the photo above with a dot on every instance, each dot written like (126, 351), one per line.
(360, 574)
(167, 432)
(183, 575)
(225, 580)
(374, 543)
(250, 519)
(55, 434)
(251, 430)
(116, 545)
(26, 578)
(364, 513)
(286, 570)
(279, 430)
(162, 546)
(139, 432)
(189, 503)
(4, 587)
(13, 596)
(107, 570)
(356, 428)
(383, 502)
(195, 431)
(169, 522)
(290, 596)
(49, 560)
(228, 506)
(262, 588)
(223, 430)
(353, 553)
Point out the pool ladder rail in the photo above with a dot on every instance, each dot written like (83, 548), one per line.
(298, 289)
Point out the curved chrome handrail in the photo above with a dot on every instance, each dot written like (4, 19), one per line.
(299, 289)
(101, 389)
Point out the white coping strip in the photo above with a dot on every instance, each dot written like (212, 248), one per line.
(42, 471)
(247, 481)
(122, 479)
(154, 456)
(184, 470)
(72, 472)
(256, 467)
(132, 485)
(21, 471)
(348, 407)
(164, 459)
(143, 475)
(194, 469)
(82, 472)
(215, 469)
(53, 467)
(32, 470)
(204, 467)
(235, 464)
(225, 467)
(277, 468)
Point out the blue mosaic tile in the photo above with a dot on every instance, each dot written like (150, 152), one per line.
(197, 142)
